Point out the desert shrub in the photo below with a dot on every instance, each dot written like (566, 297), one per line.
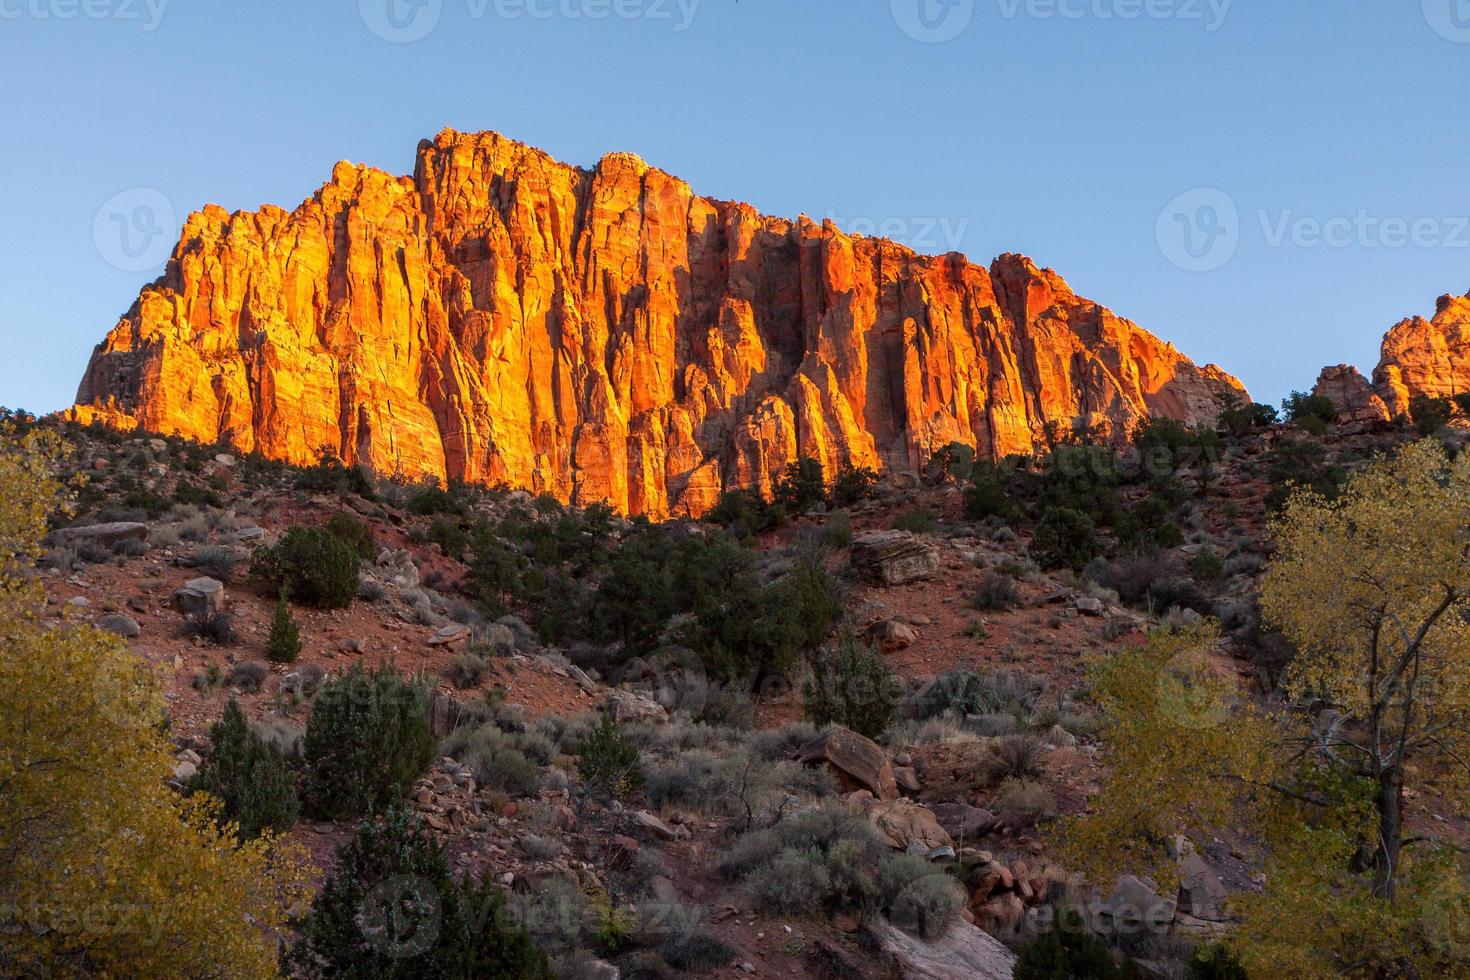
(744, 512)
(853, 687)
(217, 628)
(391, 908)
(468, 669)
(283, 645)
(194, 495)
(449, 536)
(801, 488)
(995, 593)
(1206, 566)
(964, 692)
(314, 566)
(1430, 414)
(1179, 593)
(696, 951)
(821, 860)
(353, 532)
(250, 777)
(956, 461)
(1016, 757)
(495, 572)
(433, 500)
(147, 501)
(1166, 444)
(987, 495)
(1067, 950)
(133, 548)
(853, 483)
(1064, 539)
(247, 676)
(1311, 412)
(215, 562)
(501, 760)
(328, 476)
(1237, 417)
(837, 531)
(608, 763)
(367, 741)
(1024, 801)
(1300, 463)
(916, 521)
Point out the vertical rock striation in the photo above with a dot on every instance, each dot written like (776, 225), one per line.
(605, 334)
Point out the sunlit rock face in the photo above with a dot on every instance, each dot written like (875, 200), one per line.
(1426, 357)
(605, 335)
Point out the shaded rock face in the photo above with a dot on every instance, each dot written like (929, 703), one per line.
(1426, 357)
(1347, 389)
(605, 335)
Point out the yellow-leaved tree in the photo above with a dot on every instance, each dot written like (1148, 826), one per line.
(1373, 589)
(104, 871)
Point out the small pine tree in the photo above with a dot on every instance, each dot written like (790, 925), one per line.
(249, 776)
(393, 909)
(852, 687)
(285, 640)
(609, 763)
(1067, 951)
(367, 741)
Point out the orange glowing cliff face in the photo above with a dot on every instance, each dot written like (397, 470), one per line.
(606, 334)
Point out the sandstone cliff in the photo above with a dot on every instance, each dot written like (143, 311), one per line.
(605, 334)
(1418, 357)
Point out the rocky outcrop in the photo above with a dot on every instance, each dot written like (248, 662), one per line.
(605, 334)
(1356, 401)
(893, 557)
(1426, 357)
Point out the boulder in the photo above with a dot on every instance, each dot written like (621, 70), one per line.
(627, 707)
(451, 635)
(1201, 893)
(964, 822)
(200, 597)
(907, 824)
(857, 762)
(891, 635)
(105, 535)
(963, 952)
(893, 557)
(1090, 605)
(397, 568)
(125, 626)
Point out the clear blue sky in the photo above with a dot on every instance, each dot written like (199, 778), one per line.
(1064, 137)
